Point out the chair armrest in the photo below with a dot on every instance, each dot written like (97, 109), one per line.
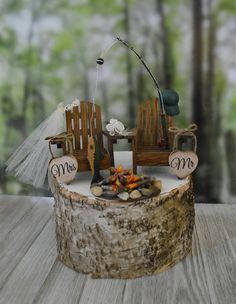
(130, 134)
(60, 139)
(133, 132)
(106, 133)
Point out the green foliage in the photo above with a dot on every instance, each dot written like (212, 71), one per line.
(231, 113)
(8, 39)
(11, 6)
(64, 42)
(228, 6)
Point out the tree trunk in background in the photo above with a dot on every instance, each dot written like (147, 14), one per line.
(38, 96)
(140, 86)
(25, 99)
(213, 118)
(197, 103)
(166, 49)
(38, 106)
(141, 77)
(131, 96)
(206, 114)
(3, 185)
(230, 140)
(28, 76)
(86, 86)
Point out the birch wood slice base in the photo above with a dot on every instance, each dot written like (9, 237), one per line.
(111, 239)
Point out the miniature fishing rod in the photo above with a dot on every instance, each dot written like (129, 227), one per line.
(147, 68)
(163, 117)
(168, 98)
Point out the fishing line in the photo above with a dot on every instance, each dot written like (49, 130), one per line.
(100, 62)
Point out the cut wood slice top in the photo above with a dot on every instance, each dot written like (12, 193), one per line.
(81, 184)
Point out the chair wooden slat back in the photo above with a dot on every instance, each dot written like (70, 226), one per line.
(149, 128)
(76, 127)
(99, 126)
(79, 123)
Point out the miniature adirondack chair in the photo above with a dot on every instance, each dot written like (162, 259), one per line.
(78, 121)
(146, 147)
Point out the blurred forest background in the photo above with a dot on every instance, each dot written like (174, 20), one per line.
(48, 52)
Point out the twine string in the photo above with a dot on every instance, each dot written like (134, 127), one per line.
(64, 136)
(185, 131)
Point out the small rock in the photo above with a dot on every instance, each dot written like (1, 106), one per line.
(96, 190)
(123, 196)
(135, 194)
(146, 191)
(154, 190)
(156, 187)
(158, 184)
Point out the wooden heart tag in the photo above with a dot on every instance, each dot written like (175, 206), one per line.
(63, 168)
(183, 163)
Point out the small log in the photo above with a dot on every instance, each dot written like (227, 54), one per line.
(96, 190)
(109, 194)
(141, 183)
(123, 179)
(124, 172)
(105, 181)
(146, 191)
(106, 187)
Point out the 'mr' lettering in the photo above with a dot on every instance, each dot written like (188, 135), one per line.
(181, 163)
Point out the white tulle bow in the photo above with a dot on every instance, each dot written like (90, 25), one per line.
(29, 162)
(115, 127)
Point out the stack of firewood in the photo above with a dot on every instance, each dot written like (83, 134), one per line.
(125, 185)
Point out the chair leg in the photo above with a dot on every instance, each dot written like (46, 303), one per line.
(111, 151)
(134, 156)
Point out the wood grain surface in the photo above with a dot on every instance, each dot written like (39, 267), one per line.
(82, 121)
(31, 273)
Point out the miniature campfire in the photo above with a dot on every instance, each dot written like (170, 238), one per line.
(125, 185)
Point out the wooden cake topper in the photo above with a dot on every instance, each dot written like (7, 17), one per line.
(94, 151)
(63, 168)
(183, 163)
